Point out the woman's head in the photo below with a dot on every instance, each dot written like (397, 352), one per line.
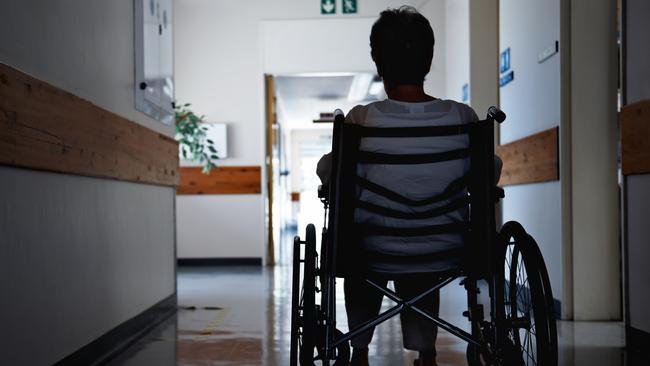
(401, 43)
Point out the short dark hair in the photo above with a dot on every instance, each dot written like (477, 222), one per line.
(401, 43)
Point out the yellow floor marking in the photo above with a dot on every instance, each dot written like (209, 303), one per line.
(213, 325)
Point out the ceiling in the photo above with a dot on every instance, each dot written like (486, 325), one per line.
(301, 98)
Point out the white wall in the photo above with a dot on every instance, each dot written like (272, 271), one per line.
(484, 55)
(435, 83)
(594, 135)
(217, 69)
(316, 45)
(78, 256)
(532, 103)
(576, 92)
(222, 50)
(532, 100)
(457, 47)
(231, 236)
(82, 46)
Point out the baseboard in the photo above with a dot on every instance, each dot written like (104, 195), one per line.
(121, 337)
(557, 307)
(235, 261)
(637, 340)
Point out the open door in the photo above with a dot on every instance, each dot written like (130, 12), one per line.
(271, 151)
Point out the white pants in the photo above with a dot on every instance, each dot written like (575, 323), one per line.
(363, 302)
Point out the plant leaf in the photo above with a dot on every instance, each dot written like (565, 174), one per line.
(191, 137)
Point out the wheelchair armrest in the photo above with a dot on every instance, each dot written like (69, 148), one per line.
(323, 193)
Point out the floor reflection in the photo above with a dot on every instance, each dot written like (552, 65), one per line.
(241, 316)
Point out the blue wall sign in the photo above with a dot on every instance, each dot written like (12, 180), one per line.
(504, 61)
(505, 79)
(465, 92)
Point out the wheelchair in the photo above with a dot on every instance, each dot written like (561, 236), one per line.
(520, 328)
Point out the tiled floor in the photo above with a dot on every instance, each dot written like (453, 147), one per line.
(240, 316)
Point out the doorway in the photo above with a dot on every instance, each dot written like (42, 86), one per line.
(299, 132)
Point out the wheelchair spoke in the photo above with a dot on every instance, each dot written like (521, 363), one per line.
(531, 350)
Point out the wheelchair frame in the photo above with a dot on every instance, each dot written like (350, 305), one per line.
(491, 342)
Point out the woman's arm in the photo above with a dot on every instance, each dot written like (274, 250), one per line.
(324, 168)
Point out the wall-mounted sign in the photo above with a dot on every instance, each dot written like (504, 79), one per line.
(349, 6)
(548, 52)
(504, 61)
(465, 92)
(154, 71)
(218, 133)
(505, 79)
(327, 7)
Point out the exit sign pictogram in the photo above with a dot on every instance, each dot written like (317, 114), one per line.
(349, 6)
(327, 6)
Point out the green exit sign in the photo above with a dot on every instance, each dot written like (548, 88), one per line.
(327, 6)
(349, 6)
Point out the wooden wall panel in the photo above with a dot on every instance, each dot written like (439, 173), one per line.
(532, 159)
(222, 180)
(635, 138)
(43, 127)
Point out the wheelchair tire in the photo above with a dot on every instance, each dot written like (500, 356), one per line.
(307, 340)
(295, 303)
(548, 296)
(528, 302)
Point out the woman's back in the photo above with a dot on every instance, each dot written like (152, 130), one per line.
(413, 181)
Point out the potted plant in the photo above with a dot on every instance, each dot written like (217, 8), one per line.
(192, 138)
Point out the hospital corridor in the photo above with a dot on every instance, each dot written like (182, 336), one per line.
(325, 182)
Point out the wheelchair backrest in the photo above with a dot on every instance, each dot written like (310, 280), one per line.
(345, 234)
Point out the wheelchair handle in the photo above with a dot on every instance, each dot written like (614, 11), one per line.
(323, 192)
(496, 114)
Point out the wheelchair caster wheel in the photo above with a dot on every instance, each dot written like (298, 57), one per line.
(474, 356)
(510, 356)
(342, 356)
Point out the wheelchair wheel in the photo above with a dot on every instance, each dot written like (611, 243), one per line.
(309, 312)
(307, 331)
(528, 303)
(548, 295)
(295, 305)
(303, 302)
